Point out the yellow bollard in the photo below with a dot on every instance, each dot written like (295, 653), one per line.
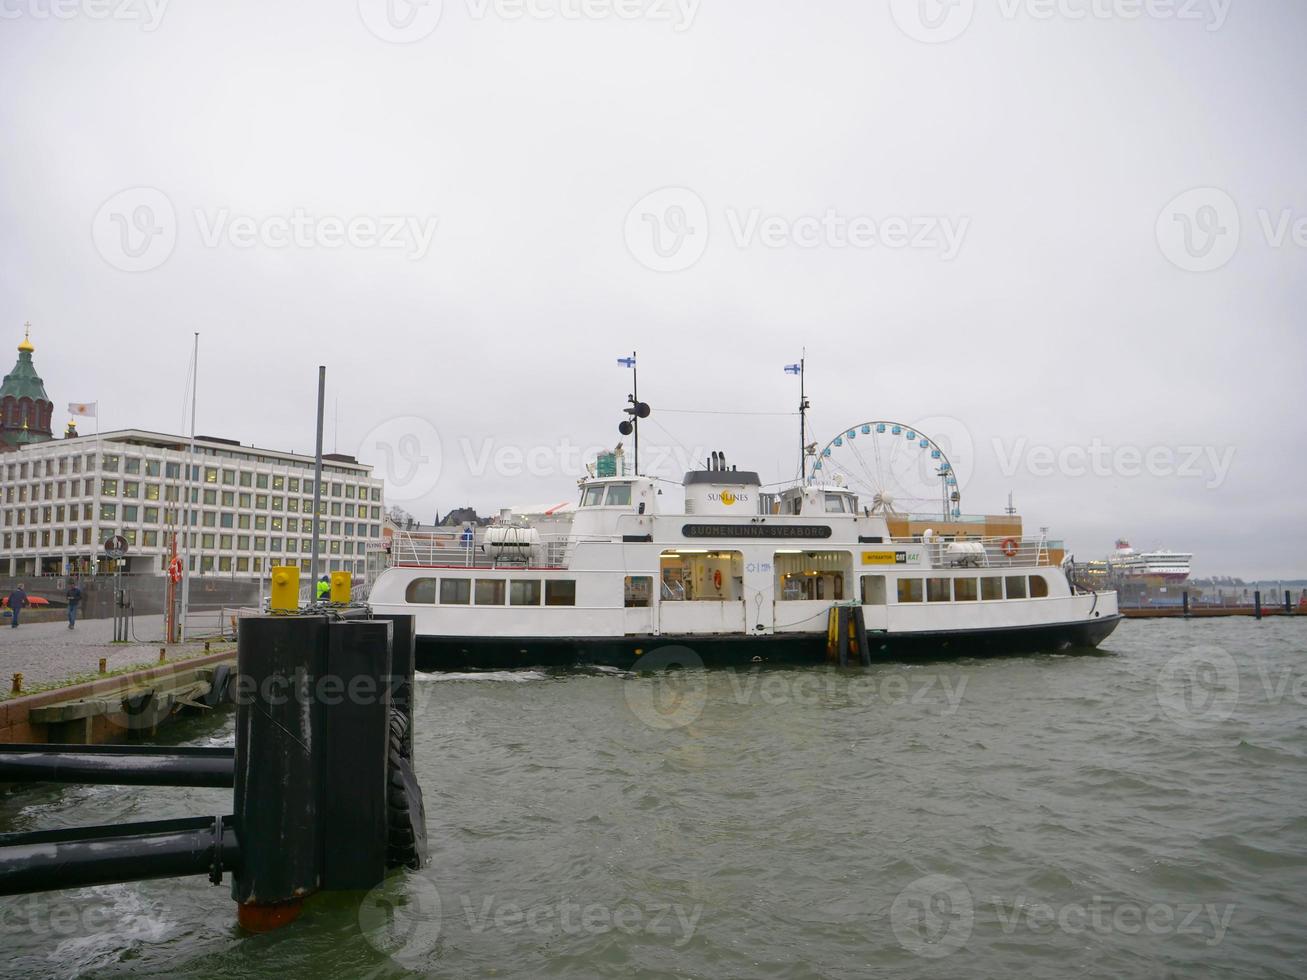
(18, 684)
(340, 588)
(285, 588)
(163, 654)
(104, 665)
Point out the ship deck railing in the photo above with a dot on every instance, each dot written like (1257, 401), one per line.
(472, 551)
(555, 551)
(994, 552)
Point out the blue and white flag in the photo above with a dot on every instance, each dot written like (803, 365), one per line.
(626, 361)
(792, 369)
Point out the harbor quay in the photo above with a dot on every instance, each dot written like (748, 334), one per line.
(49, 653)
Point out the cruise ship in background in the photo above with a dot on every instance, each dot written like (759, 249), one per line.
(1141, 577)
(1170, 567)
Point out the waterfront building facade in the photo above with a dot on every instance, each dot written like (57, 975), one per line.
(250, 509)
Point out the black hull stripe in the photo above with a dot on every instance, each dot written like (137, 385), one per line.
(624, 652)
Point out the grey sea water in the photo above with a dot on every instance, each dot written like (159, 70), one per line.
(1140, 811)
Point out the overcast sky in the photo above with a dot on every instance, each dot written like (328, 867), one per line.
(1065, 232)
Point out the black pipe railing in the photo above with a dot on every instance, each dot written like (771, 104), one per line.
(47, 860)
(117, 765)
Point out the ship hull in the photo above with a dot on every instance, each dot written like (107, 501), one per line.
(435, 653)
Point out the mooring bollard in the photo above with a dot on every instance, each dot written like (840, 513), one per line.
(104, 665)
(163, 654)
(18, 684)
(1257, 605)
(1185, 596)
(325, 796)
(278, 660)
(1288, 604)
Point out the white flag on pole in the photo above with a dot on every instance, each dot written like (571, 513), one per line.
(88, 409)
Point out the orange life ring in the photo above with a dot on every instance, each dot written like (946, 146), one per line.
(1010, 547)
(717, 579)
(175, 569)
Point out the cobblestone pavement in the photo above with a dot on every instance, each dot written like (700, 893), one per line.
(46, 652)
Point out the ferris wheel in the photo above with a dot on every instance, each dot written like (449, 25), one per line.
(894, 468)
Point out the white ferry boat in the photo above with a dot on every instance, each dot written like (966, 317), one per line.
(740, 575)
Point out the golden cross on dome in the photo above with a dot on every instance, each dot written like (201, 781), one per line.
(27, 338)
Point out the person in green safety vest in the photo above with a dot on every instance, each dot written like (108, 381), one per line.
(324, 588)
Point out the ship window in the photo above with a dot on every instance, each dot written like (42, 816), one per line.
(702, 576)
(873, 590)
(421, 590)
(619, 495)
(991, 587)
(455, 591)
(639, 591)
(594, 496)
(835, 503)
(560, 592)
(524, 592)
(1038, 587)
(964, 590)
(937, 590)
(812, 575)
(490, 592)
(910, 590)
(1016, 586)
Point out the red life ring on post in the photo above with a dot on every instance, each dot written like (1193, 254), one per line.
(175, 569)
(1010, 547)
(717, 579)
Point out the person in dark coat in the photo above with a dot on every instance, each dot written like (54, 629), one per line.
(74, 597)
(17, 600)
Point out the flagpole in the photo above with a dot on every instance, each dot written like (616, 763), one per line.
(803, 416)
(635, 394)
(186, 492)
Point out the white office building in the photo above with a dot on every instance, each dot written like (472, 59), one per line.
(250, 509)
